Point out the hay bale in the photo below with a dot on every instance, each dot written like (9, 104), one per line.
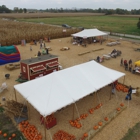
(65, 49)
(11, 64)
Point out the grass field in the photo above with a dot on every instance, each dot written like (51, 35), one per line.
(133, 133)
(118, 24)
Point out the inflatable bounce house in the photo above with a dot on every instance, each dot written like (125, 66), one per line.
(9, 54)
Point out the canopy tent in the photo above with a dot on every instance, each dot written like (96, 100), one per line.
(59, 89)
(137, 63)
(89, 33)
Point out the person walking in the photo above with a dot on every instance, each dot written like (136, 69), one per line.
(40, 45)
(130, 62)
(30, 48)
(121, 63)
(126, 66)
(129, 93)
(39, 53)
(46, 50)
(113, 88)
(44, 45)
(130, 67)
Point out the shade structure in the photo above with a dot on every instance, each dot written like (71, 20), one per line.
(89, 33)
(53, 64)
(38, 68)
(137, 63)
(61, 88)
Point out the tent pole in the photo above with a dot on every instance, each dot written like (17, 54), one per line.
(45, 127)
(15, 95)
(123, 80)
(28, 110)
(73, 111)
(110, 93)
(110, 96)
(96, 96)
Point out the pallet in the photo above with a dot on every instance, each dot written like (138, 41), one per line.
(90, 51)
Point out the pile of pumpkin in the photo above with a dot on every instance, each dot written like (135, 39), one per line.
(48, 119)
(5, 135)
(76, 123)
(62, 135)
(30, 131)
(121, 87)
(97, 107)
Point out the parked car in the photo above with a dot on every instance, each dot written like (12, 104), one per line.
(66, 26)
(81, 28)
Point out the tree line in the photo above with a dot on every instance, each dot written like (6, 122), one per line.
(4, 9)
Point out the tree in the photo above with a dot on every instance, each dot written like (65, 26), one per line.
(24, 10)
(138, 24)
(20, 10)
(4, 9)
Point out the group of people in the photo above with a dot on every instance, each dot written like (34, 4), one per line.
(44, 51)
(115, 53)
(128, 65)
(128, 96)
(99, 59)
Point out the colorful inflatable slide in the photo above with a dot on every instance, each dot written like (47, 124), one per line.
(9, 54)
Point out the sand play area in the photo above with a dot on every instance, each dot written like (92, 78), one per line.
(114, 130)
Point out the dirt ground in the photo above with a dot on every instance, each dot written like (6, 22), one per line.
(117, 128)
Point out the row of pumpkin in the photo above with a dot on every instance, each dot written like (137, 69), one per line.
(101, 123)
(76, 123)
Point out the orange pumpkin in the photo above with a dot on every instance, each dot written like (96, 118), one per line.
(22, 122)
(100, 123)
(85, 134)
(9, 138)
(13, 135)
(106, 119)
(0, 132)
(5, 135)
(95, 127)
(122, 104)
(118, 109)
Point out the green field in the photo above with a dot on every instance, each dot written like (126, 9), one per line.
(118, 24)
(133, 133)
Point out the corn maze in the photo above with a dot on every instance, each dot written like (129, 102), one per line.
(12, 32)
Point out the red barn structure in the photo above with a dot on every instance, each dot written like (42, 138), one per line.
(39, 66)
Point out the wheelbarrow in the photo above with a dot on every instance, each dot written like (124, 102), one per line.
(7, 76)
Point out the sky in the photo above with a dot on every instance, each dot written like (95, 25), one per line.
(93, 4)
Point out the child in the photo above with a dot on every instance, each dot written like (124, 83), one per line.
(30, 48)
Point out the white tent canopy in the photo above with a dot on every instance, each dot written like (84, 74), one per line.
(59, 89)
(89, 33)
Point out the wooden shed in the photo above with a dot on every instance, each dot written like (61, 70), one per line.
(39, 66)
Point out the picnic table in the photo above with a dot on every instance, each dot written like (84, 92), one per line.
(137, 71)
(107, 57)
(113, 43)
